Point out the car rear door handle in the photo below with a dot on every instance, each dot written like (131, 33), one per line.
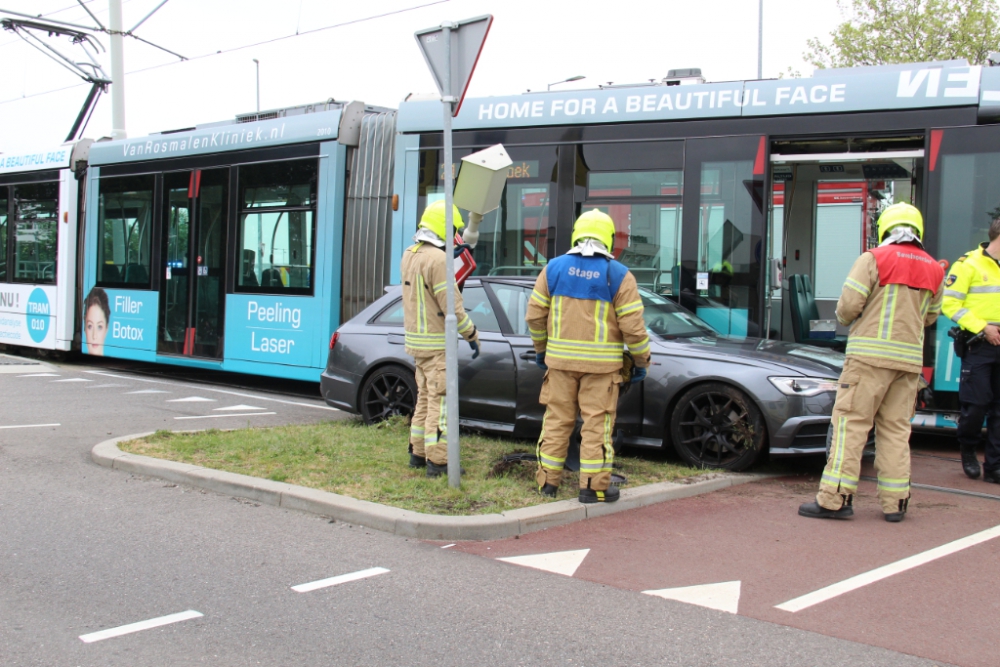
(528, 356)
(396, 339)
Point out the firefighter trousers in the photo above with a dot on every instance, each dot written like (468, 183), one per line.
(870, 394)
(428, 428)
(595, 397)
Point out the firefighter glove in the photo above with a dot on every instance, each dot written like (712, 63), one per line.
(462, 247)
(540, 360)
(474, 344)
(638, 375)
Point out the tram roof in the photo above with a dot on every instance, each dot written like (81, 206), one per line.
(886, 88)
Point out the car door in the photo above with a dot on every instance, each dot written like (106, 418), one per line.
(513, 302)
(487, 384)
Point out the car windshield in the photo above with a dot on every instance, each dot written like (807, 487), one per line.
(668, 320)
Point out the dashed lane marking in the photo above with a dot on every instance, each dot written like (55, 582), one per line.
(879, 573)
(74, 380)
(239, 407)
(29, 425)
(192, 399)
(233, 414)
(105, 386)
(147, 391)
(39, 375)
(340, 579)
(141, 625)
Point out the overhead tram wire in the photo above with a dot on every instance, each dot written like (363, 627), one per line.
(247, 46)
(58, 11)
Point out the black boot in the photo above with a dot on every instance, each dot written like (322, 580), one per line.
(549, 490)
(896, 517)
(590, 496)
(970, 464)
(814, 510)
(992, 476)
(435, 470)
(417, 461)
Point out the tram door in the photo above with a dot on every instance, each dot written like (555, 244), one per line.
(192, 293)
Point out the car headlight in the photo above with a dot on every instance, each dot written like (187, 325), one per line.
(804, 386)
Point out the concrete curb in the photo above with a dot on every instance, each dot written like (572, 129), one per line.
(394, 520)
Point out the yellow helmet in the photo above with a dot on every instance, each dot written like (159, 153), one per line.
(433, 219)
(595, 225)
(900, 214)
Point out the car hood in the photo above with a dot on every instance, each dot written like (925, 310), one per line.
(805, 359)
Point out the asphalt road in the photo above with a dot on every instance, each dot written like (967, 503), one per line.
(84, 549)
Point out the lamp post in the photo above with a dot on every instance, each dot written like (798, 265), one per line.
(257, 63)
(760, 40)
(572, 78)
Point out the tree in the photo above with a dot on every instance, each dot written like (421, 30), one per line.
(881, 32)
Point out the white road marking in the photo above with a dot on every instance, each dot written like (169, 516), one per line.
(340, 579)
(39, 375)
(239, 407)
(724, 596)
(879, 573)
(192, 399)
(560, 562)
(448, 546)
(141, 625)
(30, 425)
(255, 397)
(106, 386)
(234, 414)
(74, 380)
(147, 391)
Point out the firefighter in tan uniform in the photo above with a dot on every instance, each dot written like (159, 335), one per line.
(424, 306)
(584, 310)
(891, 294)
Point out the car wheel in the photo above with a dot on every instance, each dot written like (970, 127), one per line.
(389, 391)
(717, 426)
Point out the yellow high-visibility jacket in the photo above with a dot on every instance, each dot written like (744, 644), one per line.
(972, 291)
(886, 321)
(588, 335)
(425, 301)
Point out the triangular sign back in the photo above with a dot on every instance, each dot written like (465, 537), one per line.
(467, 38)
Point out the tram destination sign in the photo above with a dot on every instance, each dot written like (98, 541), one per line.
(828, 91)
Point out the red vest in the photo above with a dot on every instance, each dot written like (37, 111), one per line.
(907, 264)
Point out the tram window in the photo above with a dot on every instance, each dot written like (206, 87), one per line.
(277, 225)
(36, 228)
(4, 201)
(970, 184)
(125, 220)
(635, 184)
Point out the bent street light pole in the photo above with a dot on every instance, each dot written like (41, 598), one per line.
(760, 40)
(117, 71)
(450, 321)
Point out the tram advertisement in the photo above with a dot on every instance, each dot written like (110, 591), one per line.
(27, 315)
(271, 329)
(121, 319)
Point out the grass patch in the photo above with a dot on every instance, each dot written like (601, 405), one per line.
(370, 463)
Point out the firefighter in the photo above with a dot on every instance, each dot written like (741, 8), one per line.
(891, 294)
(972, 301)
(424, 306)
(584, 309)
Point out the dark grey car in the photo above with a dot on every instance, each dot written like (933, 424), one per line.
(719, 401)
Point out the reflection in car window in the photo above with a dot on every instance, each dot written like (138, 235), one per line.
(479, 308)
(668, 320)
(514, 301)
(391, 316)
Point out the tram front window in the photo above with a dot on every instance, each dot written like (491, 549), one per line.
(277, 224)
(36, 226)
(124, 220)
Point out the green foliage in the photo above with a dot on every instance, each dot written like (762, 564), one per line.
(882, 32)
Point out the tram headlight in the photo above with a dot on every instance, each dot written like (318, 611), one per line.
(803, 386)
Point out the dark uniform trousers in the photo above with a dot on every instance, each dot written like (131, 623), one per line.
(979, 395)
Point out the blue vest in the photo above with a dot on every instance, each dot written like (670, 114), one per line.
(596, 278)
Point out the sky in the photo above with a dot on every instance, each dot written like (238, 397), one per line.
(312, 50)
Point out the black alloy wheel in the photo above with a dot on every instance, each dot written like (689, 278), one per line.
(388, 392)
(717, 426)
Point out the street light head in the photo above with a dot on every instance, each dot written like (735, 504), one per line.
(578, 77)
(256, 61)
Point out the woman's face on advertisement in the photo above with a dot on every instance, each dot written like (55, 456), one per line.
(97, 330)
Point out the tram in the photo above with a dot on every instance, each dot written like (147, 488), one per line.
(40, 197)
(237, 246)
(745, 201)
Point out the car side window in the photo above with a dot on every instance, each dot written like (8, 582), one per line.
(391, 316)
(479, 308)
(514, 301)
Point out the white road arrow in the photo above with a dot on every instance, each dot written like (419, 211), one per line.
(560, 562)
(724, 596)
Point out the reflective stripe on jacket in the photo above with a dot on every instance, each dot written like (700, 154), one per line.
(887, 321)
(587, 335)
(425, 301)
(972, 291)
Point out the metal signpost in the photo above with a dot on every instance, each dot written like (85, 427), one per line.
(451, 51)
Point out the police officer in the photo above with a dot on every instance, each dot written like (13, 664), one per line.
(972, 301)
(584, 309)
(424, 306)
(891, 294)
